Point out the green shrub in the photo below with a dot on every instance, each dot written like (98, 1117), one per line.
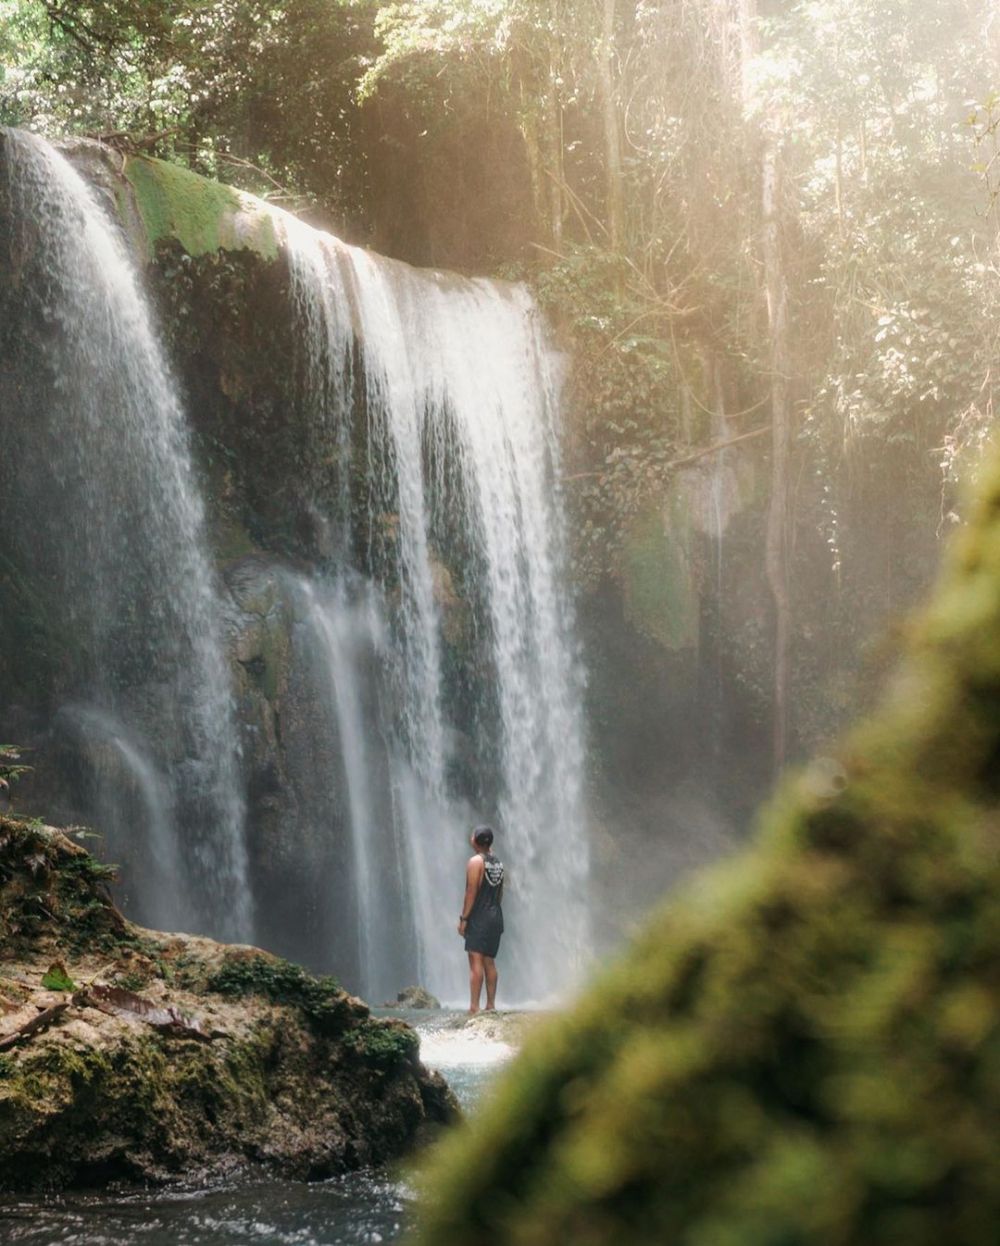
(50, 887)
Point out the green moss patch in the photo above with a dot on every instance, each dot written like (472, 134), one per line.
(321, 1000)
(386, 1045)
(202, 215)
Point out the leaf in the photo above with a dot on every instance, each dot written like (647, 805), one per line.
(37, 863)
(116, 1001)
(57, 979)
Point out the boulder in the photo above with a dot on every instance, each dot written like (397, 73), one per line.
(416, 997)
(131, 1055)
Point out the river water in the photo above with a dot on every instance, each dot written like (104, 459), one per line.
(364, 1207)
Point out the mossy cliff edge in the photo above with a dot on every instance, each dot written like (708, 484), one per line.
(202, 215)
(806, 1048)
(131, 1055)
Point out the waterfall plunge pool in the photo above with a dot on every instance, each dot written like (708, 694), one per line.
(357, 1209)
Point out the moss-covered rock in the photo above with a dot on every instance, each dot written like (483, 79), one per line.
(806, 1049)
(54, 894)
(228, 1055)
(202, 215)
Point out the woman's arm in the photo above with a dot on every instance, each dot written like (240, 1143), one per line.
(473, 881)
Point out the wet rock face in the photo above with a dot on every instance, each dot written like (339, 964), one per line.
(297, 820)
(808, 1049)
(150, 1056)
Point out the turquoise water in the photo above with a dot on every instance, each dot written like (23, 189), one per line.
(364, 1207)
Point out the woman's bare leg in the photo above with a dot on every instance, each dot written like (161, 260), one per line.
(475, 980)
(490, 971)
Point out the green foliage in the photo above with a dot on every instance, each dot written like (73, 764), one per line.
(886, 238)
(56, 978)
(891, 287)
(11, 767)
(891, 191)
(807, 1047)
(52, 890)
(624, 392)
(413, 36)
(241, 89)
(321, 999)
(89, 869)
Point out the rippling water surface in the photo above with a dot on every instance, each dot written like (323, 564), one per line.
(364, 1207)
(361, 1207)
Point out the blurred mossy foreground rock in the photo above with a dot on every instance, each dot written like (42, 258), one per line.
(806, 1049)
(127, 1054)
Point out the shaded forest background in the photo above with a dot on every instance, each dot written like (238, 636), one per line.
(760, 225)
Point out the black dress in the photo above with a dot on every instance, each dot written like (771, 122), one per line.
(485, 924)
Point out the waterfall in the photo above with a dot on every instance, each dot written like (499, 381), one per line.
(104, 479)
(432, 650)
(131, 791)
(347, 625)
(440, 395)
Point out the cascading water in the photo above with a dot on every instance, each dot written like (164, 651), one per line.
(349, 636)
(107, 515)
(447, 393)
(130, 791)
(432, 637)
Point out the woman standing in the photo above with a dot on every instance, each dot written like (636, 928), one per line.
(481, 922)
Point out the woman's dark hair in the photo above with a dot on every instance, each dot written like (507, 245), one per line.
(482, 836)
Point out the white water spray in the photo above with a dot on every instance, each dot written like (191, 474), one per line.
(123, 529)
(461, 395)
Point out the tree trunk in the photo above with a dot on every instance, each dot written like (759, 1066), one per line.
(615, 208)
(776, 545)
(553, 158)
(748, 50)
(838, 184)
(533, 152)
(776, 298)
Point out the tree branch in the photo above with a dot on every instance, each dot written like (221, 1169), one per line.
(694, 455)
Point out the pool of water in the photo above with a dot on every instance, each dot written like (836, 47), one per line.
(363, 1207)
